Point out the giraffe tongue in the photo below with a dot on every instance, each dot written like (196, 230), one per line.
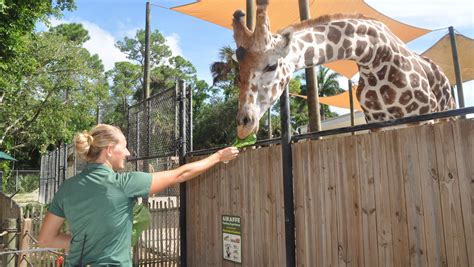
(247, 141)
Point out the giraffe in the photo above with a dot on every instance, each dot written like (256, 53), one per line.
(394, 81)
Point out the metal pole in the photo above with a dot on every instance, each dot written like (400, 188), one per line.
(250, 10)
(351, 103)
(146, 69)
(190, 120)
(182, 160)
(314, 112)
(457, 68)
(287, 178)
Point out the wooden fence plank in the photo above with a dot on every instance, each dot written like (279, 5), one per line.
(450, 199)
(382, 200)
(342, 207)
(300, 151)
(433, 222)
(464, 148)
(329, 170)
(413, 196)
(397, 200)
(368, 207)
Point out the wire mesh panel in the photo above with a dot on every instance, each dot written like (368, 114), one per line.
(152, 127)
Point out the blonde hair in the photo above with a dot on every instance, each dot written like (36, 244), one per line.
(90, 144)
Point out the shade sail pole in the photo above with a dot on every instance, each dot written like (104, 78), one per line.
(311, 81)
(457, 68)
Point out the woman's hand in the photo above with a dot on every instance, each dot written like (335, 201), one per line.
(227, 154)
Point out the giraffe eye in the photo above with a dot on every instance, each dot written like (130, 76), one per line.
(270, 68)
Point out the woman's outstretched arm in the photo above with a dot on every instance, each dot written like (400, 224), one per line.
(164, 179)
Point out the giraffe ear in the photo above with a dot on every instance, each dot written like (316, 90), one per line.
(284, 43)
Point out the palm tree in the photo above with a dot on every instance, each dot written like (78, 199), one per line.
(225, 72)
(328, 85)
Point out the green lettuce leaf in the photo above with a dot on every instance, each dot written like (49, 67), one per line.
(247, 141)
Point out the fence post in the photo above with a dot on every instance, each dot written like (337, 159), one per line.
(26, 229)
(182, 160)
(10, 242)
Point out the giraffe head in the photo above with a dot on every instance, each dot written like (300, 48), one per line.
(264, 68)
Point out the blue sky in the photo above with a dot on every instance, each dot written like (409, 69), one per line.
(198, 41)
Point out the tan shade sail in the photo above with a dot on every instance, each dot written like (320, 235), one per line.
(340, 100)
(442, 55)
(285, 12)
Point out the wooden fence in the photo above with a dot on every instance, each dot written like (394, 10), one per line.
(396, 198)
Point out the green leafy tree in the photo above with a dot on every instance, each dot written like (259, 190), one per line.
(53, 95)
(225, 72)
(19, 18)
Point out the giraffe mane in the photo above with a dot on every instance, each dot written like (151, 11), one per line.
(323, 19)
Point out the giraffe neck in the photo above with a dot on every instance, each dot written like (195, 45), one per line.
(354, 39)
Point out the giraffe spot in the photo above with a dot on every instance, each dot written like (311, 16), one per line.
(250, 99)
(397, 78)
(349, 30)
(329, 52)
(372, 32)
(416, 66)
(372, 80)
(309, 56)
(346, 44)
(388, 94)
(322, 57)
(442, 103)
(424, 85)
(379, 116)
(404, 52)
(381, 73)
(308, 38)
(413, 106)
(397, 112)
(371, 100)
(360, 47)
(433, 104)
(348, 52)
(382, 55)
(393, 45)
(261, 98)
(340, 53)
(414, 80)
(424, 110)
(294, 49)
(284, 71)
(254, 88)
(421, 96)
(359, 88)
(362, 29)
(301, 45)
(320, 28)
(339, 24)
(405, 98)
(402, 63)
(319, 38)
(430, 77)
(437, 91)
(334, 35)
(383, 38)
(367, 57)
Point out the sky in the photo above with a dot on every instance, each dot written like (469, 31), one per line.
(109, 21)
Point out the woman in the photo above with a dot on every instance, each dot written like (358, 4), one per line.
(98, 202)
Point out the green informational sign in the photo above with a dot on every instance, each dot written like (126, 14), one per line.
(232, 238)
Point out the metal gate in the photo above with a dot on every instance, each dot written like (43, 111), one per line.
(155, 137)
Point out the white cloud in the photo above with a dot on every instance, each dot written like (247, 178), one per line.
(102, 43)
(173, 42)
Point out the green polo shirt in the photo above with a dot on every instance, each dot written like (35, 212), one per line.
(97, 203)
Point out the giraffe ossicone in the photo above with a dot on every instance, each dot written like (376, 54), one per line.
(394, 81)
